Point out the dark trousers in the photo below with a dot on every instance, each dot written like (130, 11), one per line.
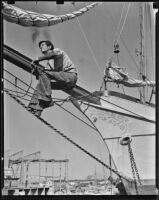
(42, 93)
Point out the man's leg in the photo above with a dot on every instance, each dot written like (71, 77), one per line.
(64, 80)
(42, 94)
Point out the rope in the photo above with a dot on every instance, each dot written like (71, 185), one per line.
(120, 21)
(60, 100)
(116, 40)
(16, 95)
(128, 51)
(28, 18)
(89, 46)
(93, 95)
(123, 23)
(75, 116)
(21, 97)
(28, 87)
(64, 136)
(17, 92)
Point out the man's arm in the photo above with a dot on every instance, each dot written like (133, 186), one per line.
(46, 57)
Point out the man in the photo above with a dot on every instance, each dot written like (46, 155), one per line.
(59, 68)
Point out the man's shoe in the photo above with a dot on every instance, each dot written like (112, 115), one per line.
(46, 104)
(37, 113)
(34, 111)
(51, 103)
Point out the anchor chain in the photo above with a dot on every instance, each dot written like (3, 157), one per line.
(134, 167)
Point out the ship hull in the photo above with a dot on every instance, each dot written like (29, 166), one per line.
(117, 118)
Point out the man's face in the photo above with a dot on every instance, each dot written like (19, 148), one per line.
(44, 48)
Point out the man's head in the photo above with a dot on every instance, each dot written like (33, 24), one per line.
(46, 46)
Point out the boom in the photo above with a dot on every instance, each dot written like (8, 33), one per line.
(24, 62)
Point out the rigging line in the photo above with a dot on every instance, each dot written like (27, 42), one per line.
(120, 20)
(14, 85)
(144, 135)
(89, 46)
(67, 138)
(16, 92)
(26, 85)
(59, 100)
(75, 116)
(128, 51)
(54, 102)
(65, 100)
(17, 96)
(93, 95)
(137, 115)
(97, 132)
(124, 22)
(18, 78)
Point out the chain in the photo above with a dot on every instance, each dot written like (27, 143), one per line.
(134, 167)
(67, 138)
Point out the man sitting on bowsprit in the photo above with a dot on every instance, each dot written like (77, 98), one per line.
(59, 68)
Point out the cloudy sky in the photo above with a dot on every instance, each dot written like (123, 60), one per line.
(89, 43)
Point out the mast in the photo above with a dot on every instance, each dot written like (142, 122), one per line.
(142, 47)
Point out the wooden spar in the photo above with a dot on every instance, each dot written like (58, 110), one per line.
(24, 62)
(142, 47)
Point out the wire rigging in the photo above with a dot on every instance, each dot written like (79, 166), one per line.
(58, 100)
(67, 138)
(93, 95)
(123, 23)
(128, 51)
(121, 16)
(89, 46)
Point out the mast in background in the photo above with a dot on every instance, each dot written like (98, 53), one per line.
(142, 47)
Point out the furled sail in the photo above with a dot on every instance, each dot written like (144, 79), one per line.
(28, 18)
(114, 73)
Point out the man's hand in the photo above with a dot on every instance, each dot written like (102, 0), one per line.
(35, 62)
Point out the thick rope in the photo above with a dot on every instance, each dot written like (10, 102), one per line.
(67, 138)
(28, 18)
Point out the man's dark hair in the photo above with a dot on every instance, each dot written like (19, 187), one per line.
(48, 43)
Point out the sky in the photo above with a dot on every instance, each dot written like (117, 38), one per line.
(89, 43)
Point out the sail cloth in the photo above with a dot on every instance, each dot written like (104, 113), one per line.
(114, 73)
(28, 18)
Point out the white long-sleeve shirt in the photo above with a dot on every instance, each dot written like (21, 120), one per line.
(58, 60)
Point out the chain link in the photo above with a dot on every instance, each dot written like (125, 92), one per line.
(134, 167)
